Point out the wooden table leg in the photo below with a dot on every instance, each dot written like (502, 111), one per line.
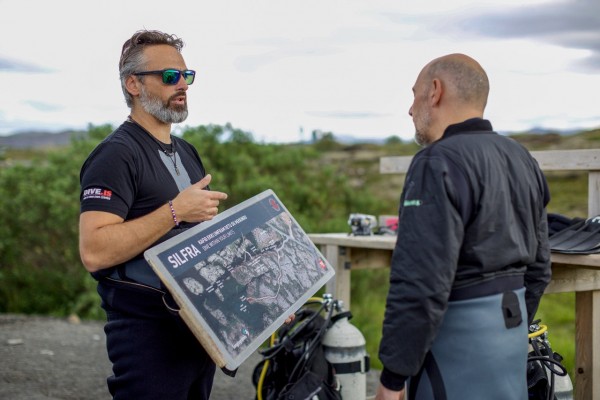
(587, 345)
(339, 286)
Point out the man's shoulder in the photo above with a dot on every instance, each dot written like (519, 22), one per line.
(465, 148)
(123, 134)
(122, 140)
(118, 145)
(472, 140)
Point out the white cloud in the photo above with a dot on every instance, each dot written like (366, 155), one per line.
(278, 67)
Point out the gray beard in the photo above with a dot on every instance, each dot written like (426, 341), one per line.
(422, 128)
(420, 139)
(154, 106)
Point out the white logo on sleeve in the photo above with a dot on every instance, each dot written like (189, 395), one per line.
(97, 193)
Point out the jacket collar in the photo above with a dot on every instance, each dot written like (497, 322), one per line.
(470, 125)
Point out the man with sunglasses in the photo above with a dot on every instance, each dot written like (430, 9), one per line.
(139, 187)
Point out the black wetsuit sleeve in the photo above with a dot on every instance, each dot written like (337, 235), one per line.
(423, 268)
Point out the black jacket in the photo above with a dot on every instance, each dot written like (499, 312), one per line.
(472, 207)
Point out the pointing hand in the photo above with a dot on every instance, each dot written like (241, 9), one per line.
(196, 204)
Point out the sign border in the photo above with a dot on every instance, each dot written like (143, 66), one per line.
(190, 314)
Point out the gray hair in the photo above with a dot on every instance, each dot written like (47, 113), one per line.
(132, 55)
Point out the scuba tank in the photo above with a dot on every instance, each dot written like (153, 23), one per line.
(547, 379)
(345, 348)
(319, 356)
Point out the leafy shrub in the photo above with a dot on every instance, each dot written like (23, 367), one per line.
(41, 272)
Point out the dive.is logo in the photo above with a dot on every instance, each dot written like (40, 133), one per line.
(97, 193)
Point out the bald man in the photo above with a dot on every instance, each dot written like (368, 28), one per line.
(472, 257)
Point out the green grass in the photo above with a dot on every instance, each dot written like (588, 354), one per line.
(369, 290)
(569, 193)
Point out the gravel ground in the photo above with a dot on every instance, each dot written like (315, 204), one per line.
(44, 358)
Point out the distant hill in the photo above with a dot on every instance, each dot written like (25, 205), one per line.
(533, 139)
(37, 139)
(585, 139)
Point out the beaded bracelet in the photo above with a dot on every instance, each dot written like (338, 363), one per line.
(173, 213)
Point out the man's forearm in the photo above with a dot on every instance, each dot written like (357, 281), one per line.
(106, 240)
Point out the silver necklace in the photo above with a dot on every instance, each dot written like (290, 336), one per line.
(172, 155)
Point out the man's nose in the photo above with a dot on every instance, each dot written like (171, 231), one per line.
(181, 83)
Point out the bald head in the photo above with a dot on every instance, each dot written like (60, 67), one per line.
(449, 90)
(463, 77)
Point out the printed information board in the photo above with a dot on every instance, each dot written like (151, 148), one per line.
(239, 276)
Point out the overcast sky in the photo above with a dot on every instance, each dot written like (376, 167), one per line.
(281, 69)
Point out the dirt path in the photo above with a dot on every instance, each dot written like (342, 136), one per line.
(44, 358)
(47, 358)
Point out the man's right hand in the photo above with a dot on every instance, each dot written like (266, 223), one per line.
(196, 204)
(384, 393)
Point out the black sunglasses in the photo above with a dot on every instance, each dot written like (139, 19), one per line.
(171, 76)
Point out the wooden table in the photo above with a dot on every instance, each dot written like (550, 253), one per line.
(570, 273)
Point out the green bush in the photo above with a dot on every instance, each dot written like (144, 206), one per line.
(320, 183)
(41, 272)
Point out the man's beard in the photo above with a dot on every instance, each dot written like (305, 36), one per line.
(420, 138)
(422, 126)
(163, 112)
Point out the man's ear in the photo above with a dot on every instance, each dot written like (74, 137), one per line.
(436, 91)
(132, 84)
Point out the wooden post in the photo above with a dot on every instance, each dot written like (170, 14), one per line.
(587, 386)
(587, 319)
(593, 193)
(339, 286)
